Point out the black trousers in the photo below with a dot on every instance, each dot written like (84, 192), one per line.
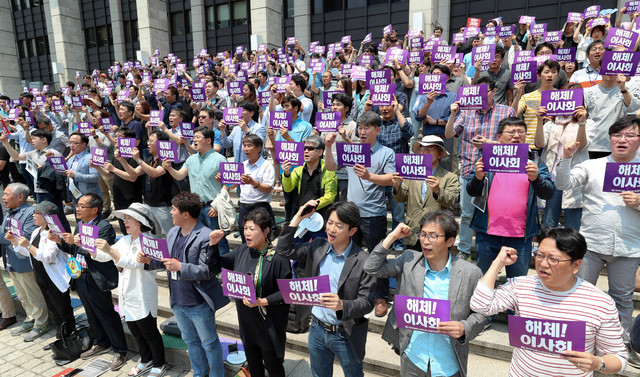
(104, 321)
(259, 360)
(58, 303)
(372, 231)
(149, 340)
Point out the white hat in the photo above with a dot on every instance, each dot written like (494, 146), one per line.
(142, 214)
(430, 140)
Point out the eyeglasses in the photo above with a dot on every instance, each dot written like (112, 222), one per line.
(519, 132)
(309, 148)
(431, 237)
(617, 136)
(82, 206)
(553, 261)
(203, 116)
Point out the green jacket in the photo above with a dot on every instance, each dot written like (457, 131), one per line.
(328, 185)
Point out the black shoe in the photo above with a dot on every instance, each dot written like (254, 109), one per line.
(634, 359)
(47, 347)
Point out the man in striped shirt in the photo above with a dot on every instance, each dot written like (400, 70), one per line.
(556, 293)
(474, 128)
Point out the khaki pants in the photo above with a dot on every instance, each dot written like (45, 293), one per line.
(31, 296)
(106, 187)
(6, 301)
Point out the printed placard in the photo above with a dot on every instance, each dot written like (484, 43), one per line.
(123, 95)
(291, 151)
(621, 37)
(99, 156)
(457, 38)
(619, 62)
(398, 54)
(359, 72)
(473, 97)
(125, 146)
(4, 128)
(316, 65)
(88, 236)
(155, 117)
(235, 87)
(632, 6)
(106, 123)
(473, 22)
(387, 29)
(54, 224)
(443, 53)
(382, 94)
(561, 102)
(263, 98)
(368, 38)
(505, 158)
(291, 40)
(238, 285)
(378, 77)
(430, 82)
(76, 102)
(553, 36)
(198, 92)
(328, 121)
(232, 115)
(305, 291)
(620, 177)
(546, 335)
(350, 154)
(167, 150)
(414, 166)
(526, 20)
(526, 72)
(591, 12)
(345, 69)
(506, 31)
(566, 54)
(84, 128)
(416, 43)
(490, 31)
(15, 227)
(231, 172)
(160, 85)
(470, 31)
(13, 114)
(154, 248)
(327, 97)
(279, 119)
(57, 105)
(538, 29)
(365, 59)
(421, 314)
(415, 57)
(59, 164)
(523, 56)
(486, 53)
(186, 130)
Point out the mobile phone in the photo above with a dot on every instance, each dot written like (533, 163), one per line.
(307, 210)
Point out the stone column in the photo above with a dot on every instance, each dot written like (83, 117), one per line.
(117, 30)
(302, 22)
(153, 26)
(66, 25)
(266, 21)
(432, 11)
(9, 68)
(198, 25)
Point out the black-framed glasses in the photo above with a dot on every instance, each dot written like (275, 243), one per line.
(432, 237)
(553, 261)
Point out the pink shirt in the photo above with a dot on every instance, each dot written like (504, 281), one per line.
(507, 205)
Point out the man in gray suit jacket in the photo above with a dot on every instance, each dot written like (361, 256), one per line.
(434, 274)
(338, 328)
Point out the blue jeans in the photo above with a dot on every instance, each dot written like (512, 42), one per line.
(212, 223)
(198, 329)
(324, 346)
(466, 205)
(552, 209)
(488, 247)
(397, 212)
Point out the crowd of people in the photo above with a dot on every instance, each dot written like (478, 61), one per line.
(149, 144)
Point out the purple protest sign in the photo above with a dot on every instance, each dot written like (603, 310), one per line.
(155, 117)
(398, 54)
(421, 314)
(350, 154)
(546, 335)
(160, 85)
(415, 57)
(13, 114)
(39, 101)
(235, 87)
(346, 39)
(197, 92)
(76, 102)
(566, 54)
(291, 40)
(429, 82)
(316, 65)
(368, 38)
(413, 166)
(505, 158)
(123, 95)
(230, 173)
(523, 56)
(99, 156)
(186, 130)
(619, 62)
(526, 20)
(553, 36)
(154, 248)
(632, 6)
(15, 227)
(490, 31)
(506, 31)
(125, 146)
(382, 94)
(167, 150)
(366, 60)
(561, 102)
(378, 77)
(278, 119)
(57, 105)
(281, 83)
(345, 69)
(54, 224)
(232, 115)
(471, 31)
(84, 128)
(88, 236)
(620, 177)
(443, 53)
(621, 37)
(327, 97)
(328, 121)
(238, 285)
(473, 97)
(359, 72)
(305, 291)
(387, 29)
(457, 38)
(526, 72)
(543, 58)
(486, 53)
(263, 98)
(59, 164)
(538, 29)
(591, 12)
(291, 151)
(416, 43)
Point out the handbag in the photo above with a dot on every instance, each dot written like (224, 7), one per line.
(68, 348)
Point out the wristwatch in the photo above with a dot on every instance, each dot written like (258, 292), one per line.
(602, 365)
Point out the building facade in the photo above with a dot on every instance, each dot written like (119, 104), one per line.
(47, 41)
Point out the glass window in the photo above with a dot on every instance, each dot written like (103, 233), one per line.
(22, 49)
(90, 37)
(15, 4)
(332, 5)
(127, 31)
(317, 6)
(288, 8)
(35, 3)
(177, 23)
(224, 16)
(239, 13)
(187, 20)
(41, 46)
(356, 4)
(378, 2)
(31, 47)
(135, 37)
(25, 4)
(102, 36)
(209, 18)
